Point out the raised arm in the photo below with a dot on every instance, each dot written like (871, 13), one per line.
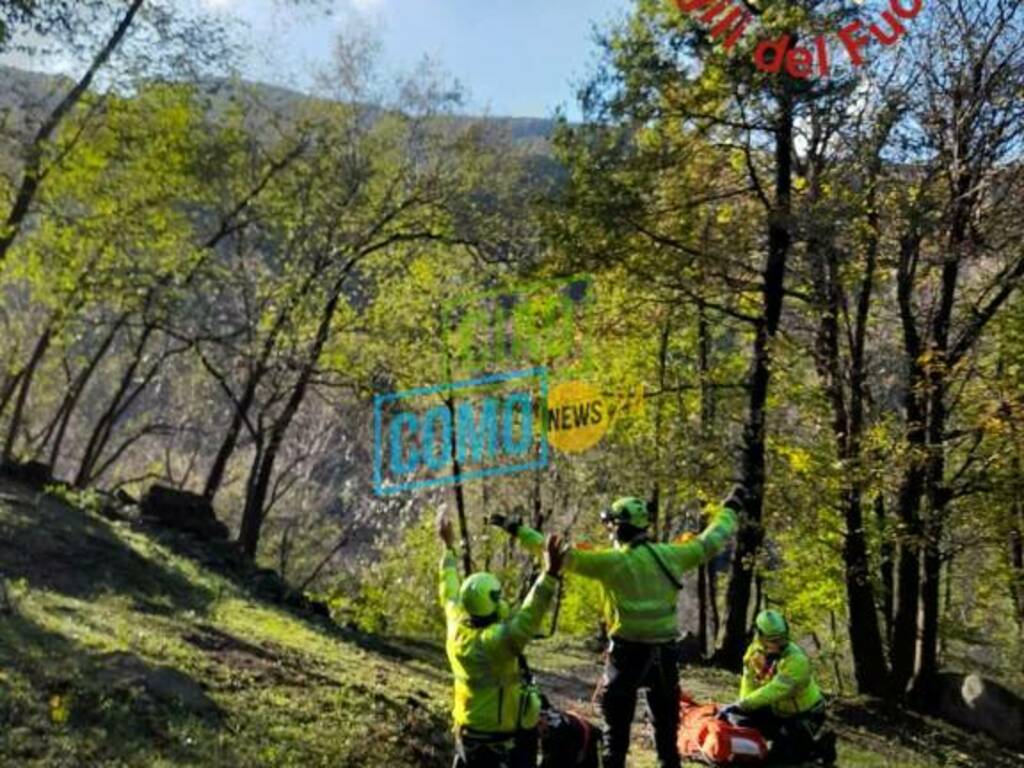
(713, 538)
(523, 625)
(591, 564)
(513, 635)
(447, 579)
(447, 575)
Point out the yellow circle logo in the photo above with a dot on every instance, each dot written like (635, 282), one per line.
(577, 416)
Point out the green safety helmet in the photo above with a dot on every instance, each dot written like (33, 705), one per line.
(480, 595)
(629, 510)
(771, 625)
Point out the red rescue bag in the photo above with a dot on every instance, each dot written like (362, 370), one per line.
(703, 737)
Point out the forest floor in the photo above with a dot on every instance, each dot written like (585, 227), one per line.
(122, 650)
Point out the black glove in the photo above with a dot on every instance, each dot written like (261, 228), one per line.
(510, 524)
(737, 498)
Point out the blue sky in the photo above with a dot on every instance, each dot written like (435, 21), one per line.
(515, 58)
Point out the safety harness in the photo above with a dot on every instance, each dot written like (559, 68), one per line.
(661, 564)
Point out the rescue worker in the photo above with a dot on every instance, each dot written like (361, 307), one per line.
(496, 711)
(780, 697)
(640, 580)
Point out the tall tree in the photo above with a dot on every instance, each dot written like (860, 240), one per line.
(955, 272)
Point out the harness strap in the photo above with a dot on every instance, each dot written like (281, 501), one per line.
(664, 568)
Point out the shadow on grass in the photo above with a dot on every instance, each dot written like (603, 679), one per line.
(59, 700)
(397, 648)
(881, 720)
(58, 548)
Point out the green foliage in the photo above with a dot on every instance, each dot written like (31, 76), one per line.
(580, 611)
(396, 593)
(123, 189)
(340, 272)
(88, 499)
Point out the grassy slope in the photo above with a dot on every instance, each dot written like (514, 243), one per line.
(290, 693)
(103, 606)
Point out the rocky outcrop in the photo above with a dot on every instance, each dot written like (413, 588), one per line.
(974, 703)
(182, 511)
(34, 474)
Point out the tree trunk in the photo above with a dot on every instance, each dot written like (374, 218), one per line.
(653, 504)
(904, 627)
(1017, 561)
(927, 665)
(75, 392)
(104, 427)
(263, 469)
(253, 514)
(947, 601)
(659, 522)
(460, 495)
(11, 383)
(27, 375)
(252, 522)
(837, 668)
(716, 623)
(751, 533)
(935, 476)
(702, 609)
(886, 567)
(239, 413)
(908, 504)
(928, 643)
(847, 425)
(865, 633)
(241, 409)
(707, 392)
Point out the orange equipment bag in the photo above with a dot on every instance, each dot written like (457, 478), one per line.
(705, 738)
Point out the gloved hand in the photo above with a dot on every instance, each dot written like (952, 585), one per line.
(737, 498)
(555, 553)
(510, 524)
(729, 709)
(444, 529)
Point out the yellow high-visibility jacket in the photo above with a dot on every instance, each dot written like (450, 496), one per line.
(786, 683)
(489, 693)
(639, 600)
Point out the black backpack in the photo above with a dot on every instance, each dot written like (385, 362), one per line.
(567, 740)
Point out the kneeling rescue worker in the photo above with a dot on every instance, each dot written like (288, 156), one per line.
(780, 697)
(496, 711)
(640, 580)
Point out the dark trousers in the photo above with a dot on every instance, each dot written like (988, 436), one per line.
(487, 751)
(628, 668)
(792, 738)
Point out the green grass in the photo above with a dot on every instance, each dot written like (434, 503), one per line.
(93, 596)
(103, 610)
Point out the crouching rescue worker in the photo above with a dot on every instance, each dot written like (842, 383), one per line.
(640, 580)
(780, 697)
(496, 711)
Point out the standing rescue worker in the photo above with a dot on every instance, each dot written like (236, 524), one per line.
(640, 580)
(779, 695)
(496, 711)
